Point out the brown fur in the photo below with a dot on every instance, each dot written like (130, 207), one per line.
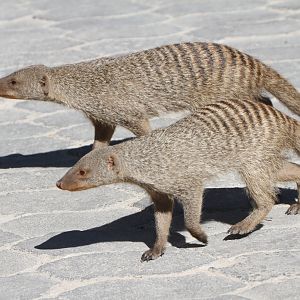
(244, 136)
(129, 90)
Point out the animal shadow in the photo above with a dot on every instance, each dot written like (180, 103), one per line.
(226, 205)
(58, 158)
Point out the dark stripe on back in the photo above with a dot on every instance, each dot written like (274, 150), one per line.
(255, 111)
(210, 114)
(176, 59)
(220, 112)
(242, 57)
(145, 63)
(233, 55)
(209, 56)
(235, 116)
(205, 121)
(265, 111)
(166, 57)
(219, 50)
(197, 59)
(158, 59)
(186, 62)
(221, 63)
(248, 111)
(252, 68)
(259, 73)
(243, 66)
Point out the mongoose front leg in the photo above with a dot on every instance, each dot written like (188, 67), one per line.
(262, 192)
(291, 172)
(163, 206)
(192, 207)
(103, 134)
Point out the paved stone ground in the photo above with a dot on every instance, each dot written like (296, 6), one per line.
(87, 245)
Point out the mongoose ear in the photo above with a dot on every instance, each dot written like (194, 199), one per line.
(44, 82)
(113, 163)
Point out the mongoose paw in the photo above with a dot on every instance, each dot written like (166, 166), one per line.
(151, 254)
(294, 209)
(240, 228)
(198, 233)
(200, 236)
(203, 238)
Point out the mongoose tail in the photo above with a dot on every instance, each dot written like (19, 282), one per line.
(280, 87)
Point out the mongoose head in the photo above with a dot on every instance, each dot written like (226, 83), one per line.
(28, 83)
(98, 167)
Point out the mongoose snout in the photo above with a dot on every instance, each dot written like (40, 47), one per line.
(75, 180)
(72, 185)
(177, 161)
(6, 88)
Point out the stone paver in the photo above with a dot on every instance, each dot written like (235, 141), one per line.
(87, 245)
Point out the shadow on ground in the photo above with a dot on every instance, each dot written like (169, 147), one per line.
(57, 159)
(223, 205)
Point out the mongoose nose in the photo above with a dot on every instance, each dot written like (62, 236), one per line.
(59, 184)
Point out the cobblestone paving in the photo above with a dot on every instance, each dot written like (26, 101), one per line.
(87, 245)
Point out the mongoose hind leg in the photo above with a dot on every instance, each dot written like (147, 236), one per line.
(163, 207)
(262, 191)
(291, 172)
(103, 134)
(140, 128)
(192, 207)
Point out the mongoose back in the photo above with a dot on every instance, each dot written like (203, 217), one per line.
(129, 90)
(238, 135)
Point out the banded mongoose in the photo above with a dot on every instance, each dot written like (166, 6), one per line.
(129, 90)
(177, 161)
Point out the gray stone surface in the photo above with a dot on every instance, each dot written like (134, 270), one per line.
(25, 286)
(6, 238)
(87, 245)
(284, 289)
(117, 263)
(13, 262)
(193, 286)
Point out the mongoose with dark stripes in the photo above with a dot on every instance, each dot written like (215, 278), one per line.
(177, 161)
(130, 89)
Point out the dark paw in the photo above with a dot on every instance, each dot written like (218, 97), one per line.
(199, 234)
(236, 232)
(201, 237)
(151, 254)
(294, 209)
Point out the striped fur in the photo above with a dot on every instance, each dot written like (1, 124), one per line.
(241, 136)
(130, 89)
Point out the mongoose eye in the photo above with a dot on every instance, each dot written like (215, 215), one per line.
(13, 82)
(82, 172)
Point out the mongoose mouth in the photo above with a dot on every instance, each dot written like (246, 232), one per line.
(73, 187)
(7, 96)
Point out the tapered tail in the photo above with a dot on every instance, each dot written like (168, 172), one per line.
(284, 91)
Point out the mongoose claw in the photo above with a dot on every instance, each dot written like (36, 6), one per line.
(294, 209)
(151, 254)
